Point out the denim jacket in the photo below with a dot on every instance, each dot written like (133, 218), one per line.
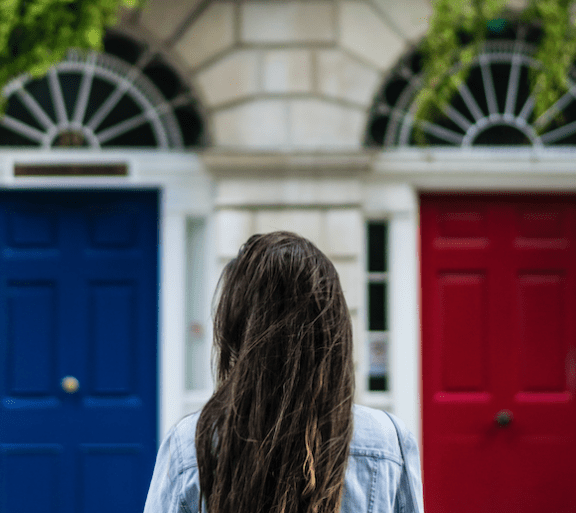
(373, 482)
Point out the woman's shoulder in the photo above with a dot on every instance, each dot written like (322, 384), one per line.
(375, 434)
(175, 478)
(375, 456)
(183, 437)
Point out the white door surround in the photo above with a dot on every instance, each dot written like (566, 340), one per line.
(185, 192)
(396, 178)
(380, 185)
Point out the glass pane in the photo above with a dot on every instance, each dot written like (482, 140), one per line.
(378, 383)
(40, 90)
(19, 111)
(377, 318)
(10, 138)
(126, 108)
(198, 375)
(70, 84)
(142, 135)
(99, 93)
(377, 247)
(378, 373)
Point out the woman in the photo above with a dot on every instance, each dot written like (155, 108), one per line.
(280, 434)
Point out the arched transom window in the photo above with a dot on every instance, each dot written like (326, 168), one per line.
(125, 97)
(493, 107)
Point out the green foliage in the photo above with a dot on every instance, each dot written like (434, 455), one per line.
(458, 31)
(36, 34)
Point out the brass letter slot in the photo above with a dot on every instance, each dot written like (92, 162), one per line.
(71, 170)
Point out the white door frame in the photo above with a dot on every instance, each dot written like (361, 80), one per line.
(396, 179)
(185, 192)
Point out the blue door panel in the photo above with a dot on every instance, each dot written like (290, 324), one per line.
(78, 297)
(31, 340)
(108, 478)
(113, 229)
(31, 227)
(112, 338)
(16, 463)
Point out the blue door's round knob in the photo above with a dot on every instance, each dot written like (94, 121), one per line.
(70, 384)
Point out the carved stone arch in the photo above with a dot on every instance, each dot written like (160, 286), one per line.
(493, 107)
(127, 96)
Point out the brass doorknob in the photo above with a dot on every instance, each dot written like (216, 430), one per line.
(503, 418)
(70, 384)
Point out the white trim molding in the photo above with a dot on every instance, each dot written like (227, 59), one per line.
(399, 204)
(492, 169)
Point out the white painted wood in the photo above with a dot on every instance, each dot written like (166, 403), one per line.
(361, 354)
(404, 317)
(398, 203)
(172, 314)
(194, 400)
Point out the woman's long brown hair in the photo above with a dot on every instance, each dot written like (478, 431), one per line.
(275, 436)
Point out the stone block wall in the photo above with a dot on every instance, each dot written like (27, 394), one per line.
(337, 228)
(285, 75)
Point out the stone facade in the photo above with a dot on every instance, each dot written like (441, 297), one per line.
(285, 88)
(311, 208)
(286, 75)
(288, 85)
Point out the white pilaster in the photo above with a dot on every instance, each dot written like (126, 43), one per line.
(404, 315)
(172, 319)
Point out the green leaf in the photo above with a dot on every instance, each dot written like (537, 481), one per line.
(93, 36)
(442, 52)
(36, 34)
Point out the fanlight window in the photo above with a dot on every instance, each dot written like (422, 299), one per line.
(102, 100)
(493, 107)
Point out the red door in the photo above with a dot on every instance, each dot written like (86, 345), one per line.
(499, 353)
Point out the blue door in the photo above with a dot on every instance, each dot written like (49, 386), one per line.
(78, 340)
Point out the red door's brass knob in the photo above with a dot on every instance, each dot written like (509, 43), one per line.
(503, 418)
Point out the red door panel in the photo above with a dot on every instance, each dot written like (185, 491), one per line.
(499, 335)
